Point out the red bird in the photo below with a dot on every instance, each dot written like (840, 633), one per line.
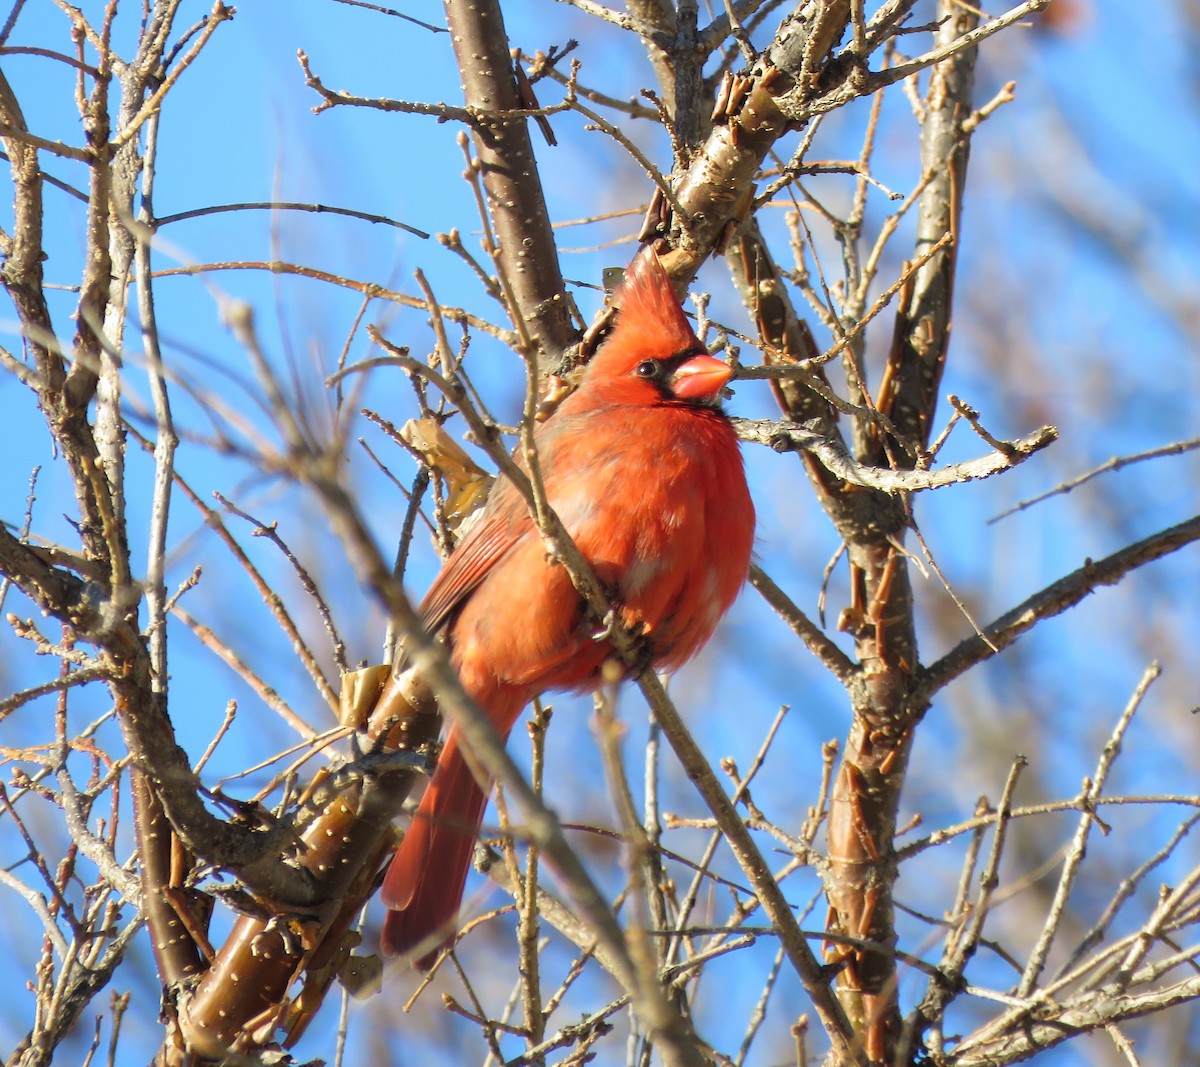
(644, 470)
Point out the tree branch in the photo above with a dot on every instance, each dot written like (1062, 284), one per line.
(788, 436)
(1053, 600)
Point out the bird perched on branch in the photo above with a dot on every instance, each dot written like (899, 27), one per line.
(643, 468)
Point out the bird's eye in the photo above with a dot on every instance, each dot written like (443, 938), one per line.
(647, 369)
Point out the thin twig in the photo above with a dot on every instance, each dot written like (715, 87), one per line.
(1114, 464)
(1075, 852)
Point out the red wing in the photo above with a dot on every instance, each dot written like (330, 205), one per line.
(497, 530)
(505, 520)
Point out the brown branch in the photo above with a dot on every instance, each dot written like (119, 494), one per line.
(132, 124)
(1053, 600)
(718, 187)
(14, 134)
(542, 67)
(866, 795)
(509, 172)
(674, 49)
(369, 289)
(22, 273)
(948, 48)
(243, 998)
(1045, 1024)
(621, 19)
(922, 329)
(395, 14)
(46, 53)
(285, 205)
(102, 621)
(787, 338)
(838, 663)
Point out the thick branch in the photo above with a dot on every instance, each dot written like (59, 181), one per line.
(866, 794)
(344, 848)
(510, 176)
(22, 270)
(717, 191)
(922, 329)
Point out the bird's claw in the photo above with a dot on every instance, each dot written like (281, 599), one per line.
(641, 656)
(607, 627)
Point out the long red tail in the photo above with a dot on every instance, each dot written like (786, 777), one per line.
(423, 886)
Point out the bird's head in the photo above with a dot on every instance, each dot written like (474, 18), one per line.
(652, 354)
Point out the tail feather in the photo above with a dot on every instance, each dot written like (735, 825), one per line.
(423, 886)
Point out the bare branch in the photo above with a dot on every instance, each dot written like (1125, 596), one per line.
(786, 436)
(1116, 463)
(282, 205)
(1054, 600)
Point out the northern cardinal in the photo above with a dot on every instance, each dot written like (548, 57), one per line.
(644, 470)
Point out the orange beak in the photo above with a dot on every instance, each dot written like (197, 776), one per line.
(700, 378)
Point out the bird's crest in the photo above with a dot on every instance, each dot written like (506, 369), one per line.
(649, 318)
